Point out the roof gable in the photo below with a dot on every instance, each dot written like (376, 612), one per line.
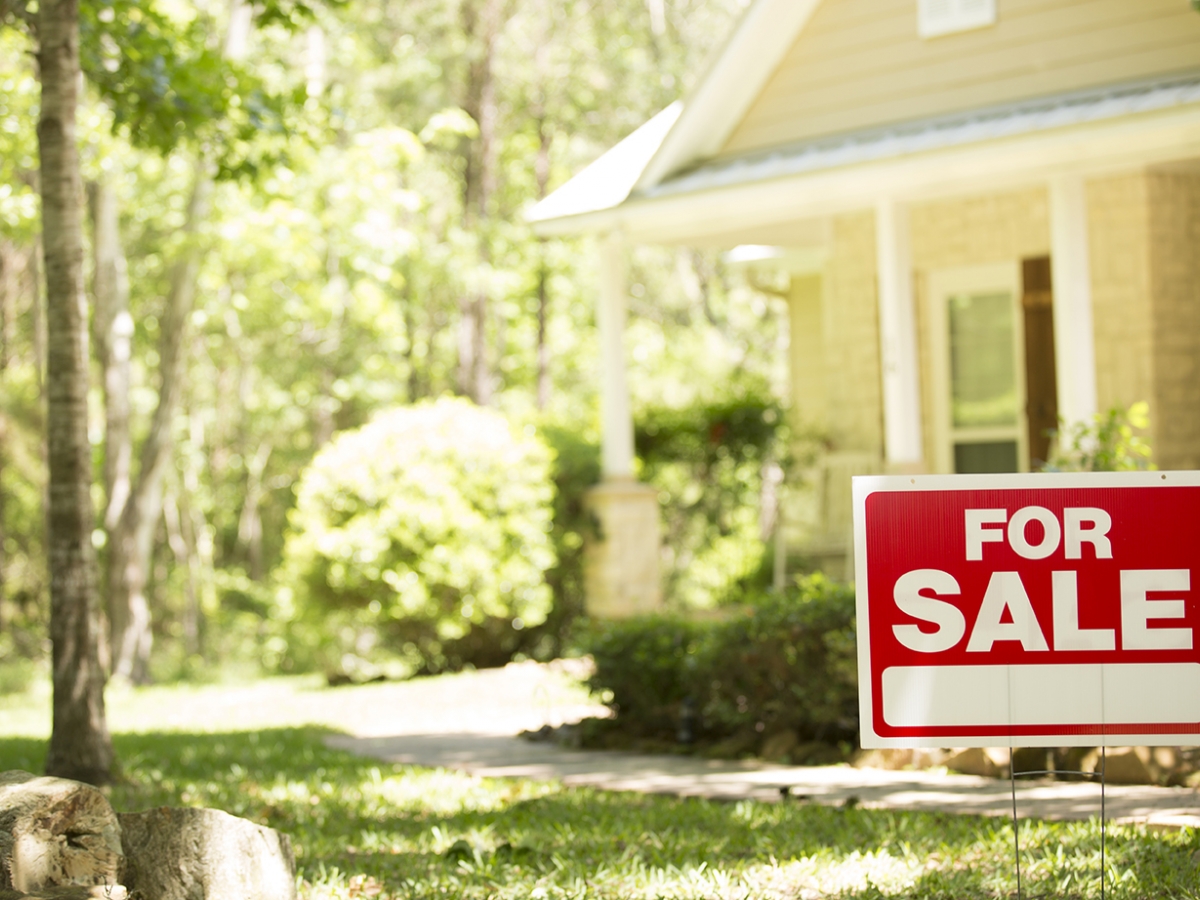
(862, 64)
(730, 85)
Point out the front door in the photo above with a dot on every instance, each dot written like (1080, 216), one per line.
(978, 347)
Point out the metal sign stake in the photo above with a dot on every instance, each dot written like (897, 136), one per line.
(1012, 778)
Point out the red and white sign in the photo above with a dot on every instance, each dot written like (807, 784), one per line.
(1032, 610)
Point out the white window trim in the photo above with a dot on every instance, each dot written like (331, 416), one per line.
(939, 17)
(943, 284)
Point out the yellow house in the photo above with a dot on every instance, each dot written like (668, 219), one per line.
(990, 213)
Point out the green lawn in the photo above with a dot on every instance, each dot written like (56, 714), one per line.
(364, 829)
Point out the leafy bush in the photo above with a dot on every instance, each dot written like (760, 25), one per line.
(1109, 443)
(789, 663)
(644, 669)
(426, 533)
(707, 461)
(784, 662)
(576, 469)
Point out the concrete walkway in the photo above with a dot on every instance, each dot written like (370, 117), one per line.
(491, 749)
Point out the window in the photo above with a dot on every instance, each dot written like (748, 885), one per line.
(978, 367)
(937, 17)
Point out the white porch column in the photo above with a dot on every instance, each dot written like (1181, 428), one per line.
(898, 338)
(615, 416)
(622, 557)
(1070, 273)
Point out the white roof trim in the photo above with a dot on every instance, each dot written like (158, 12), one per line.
(944, 132)
(1086, 148)
(730, 85)
(608, 180)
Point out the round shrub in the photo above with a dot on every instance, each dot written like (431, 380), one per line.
(426, 531)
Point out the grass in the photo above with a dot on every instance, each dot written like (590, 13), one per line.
(364, 829)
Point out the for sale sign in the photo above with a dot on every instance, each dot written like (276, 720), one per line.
(1033, 610)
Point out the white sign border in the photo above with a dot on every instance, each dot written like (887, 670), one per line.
(865, 485)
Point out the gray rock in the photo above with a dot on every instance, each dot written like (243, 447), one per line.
(78, 892)
(205, 854)
(56, 833)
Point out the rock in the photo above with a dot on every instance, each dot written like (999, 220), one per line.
(1069, 762)
(205, 854)
(1123, 765)
(56, 833)
(973, 761)
(898, 758)
(778, 746)
(78, 892)
(1031, 759)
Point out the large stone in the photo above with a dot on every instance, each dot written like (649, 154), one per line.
(77, 892)
(1032, 760)
(205, 854)
(1122, 765)
(56, 833)
(974, 761)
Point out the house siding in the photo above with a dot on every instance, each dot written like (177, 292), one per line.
(852, 361)
(836, 393)
(860, 63)
(1174, 239)
(1122, 311)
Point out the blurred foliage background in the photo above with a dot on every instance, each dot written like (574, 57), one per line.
(314, 236)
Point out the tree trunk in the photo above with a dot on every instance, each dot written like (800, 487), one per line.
(37, 313)
(80, 746)
(131, 540)
(8, 296)
(542, 173)
(250, 521)
(112, 331)
(482, 21)
(8, 291)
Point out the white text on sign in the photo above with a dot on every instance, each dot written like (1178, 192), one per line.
(1006, 613)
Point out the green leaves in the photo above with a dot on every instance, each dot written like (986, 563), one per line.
(1111, 442)
(428, 528)
(170, 83)
(787, 661)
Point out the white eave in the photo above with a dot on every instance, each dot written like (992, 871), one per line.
(607, 182)
(1124, 125)
(688, 131)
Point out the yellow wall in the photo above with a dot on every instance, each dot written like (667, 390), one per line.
(836, 392)
(860, 63)
(1118, 235)
(1174, 250)
(854, 396)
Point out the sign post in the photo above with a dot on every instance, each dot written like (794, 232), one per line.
(1028, 610)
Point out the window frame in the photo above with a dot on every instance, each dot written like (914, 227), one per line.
(959, 16)
(982, 279)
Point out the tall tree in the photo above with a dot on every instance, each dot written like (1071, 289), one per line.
(482, 23)
(80, 745)
(131, 533)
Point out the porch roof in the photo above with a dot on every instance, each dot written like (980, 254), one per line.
(1113, 122)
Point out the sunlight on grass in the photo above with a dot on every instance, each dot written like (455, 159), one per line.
(365, 829)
